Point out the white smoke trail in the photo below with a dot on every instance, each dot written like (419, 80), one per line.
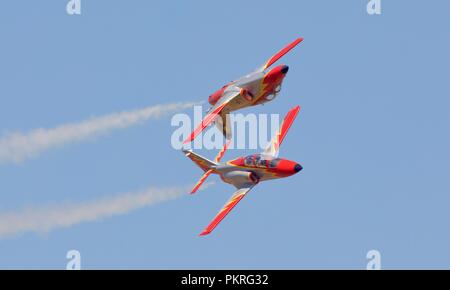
(45, 219)
(17, 147)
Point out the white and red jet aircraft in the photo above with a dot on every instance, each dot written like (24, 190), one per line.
(245, 172)
(256, 88)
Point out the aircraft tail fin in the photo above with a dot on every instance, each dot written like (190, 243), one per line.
(205, 164)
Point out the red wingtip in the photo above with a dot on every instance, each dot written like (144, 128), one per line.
(201, 181)
(204, 233)
(295, 43)
(194, 190)
(282, 52)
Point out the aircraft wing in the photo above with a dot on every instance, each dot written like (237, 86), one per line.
(213, 113)
(281, 53)
(235, 199)
(274, 146)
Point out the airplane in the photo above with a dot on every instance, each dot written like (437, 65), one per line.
(246, 172)
(256, 88)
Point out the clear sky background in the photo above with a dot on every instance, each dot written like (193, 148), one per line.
(372, 136)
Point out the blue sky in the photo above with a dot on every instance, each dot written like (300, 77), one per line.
(372, 135)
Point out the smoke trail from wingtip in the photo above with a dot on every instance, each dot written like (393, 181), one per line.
(17, 147)
(45, 219)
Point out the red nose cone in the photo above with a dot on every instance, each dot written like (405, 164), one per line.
(277, 74)
(287, 167)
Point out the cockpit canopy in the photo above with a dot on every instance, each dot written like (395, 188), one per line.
(258, 160)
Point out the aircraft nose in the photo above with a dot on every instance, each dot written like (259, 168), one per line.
(297, 168)
(285, 69)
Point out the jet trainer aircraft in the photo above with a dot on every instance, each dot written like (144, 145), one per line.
(245, 172)
(256, 88)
